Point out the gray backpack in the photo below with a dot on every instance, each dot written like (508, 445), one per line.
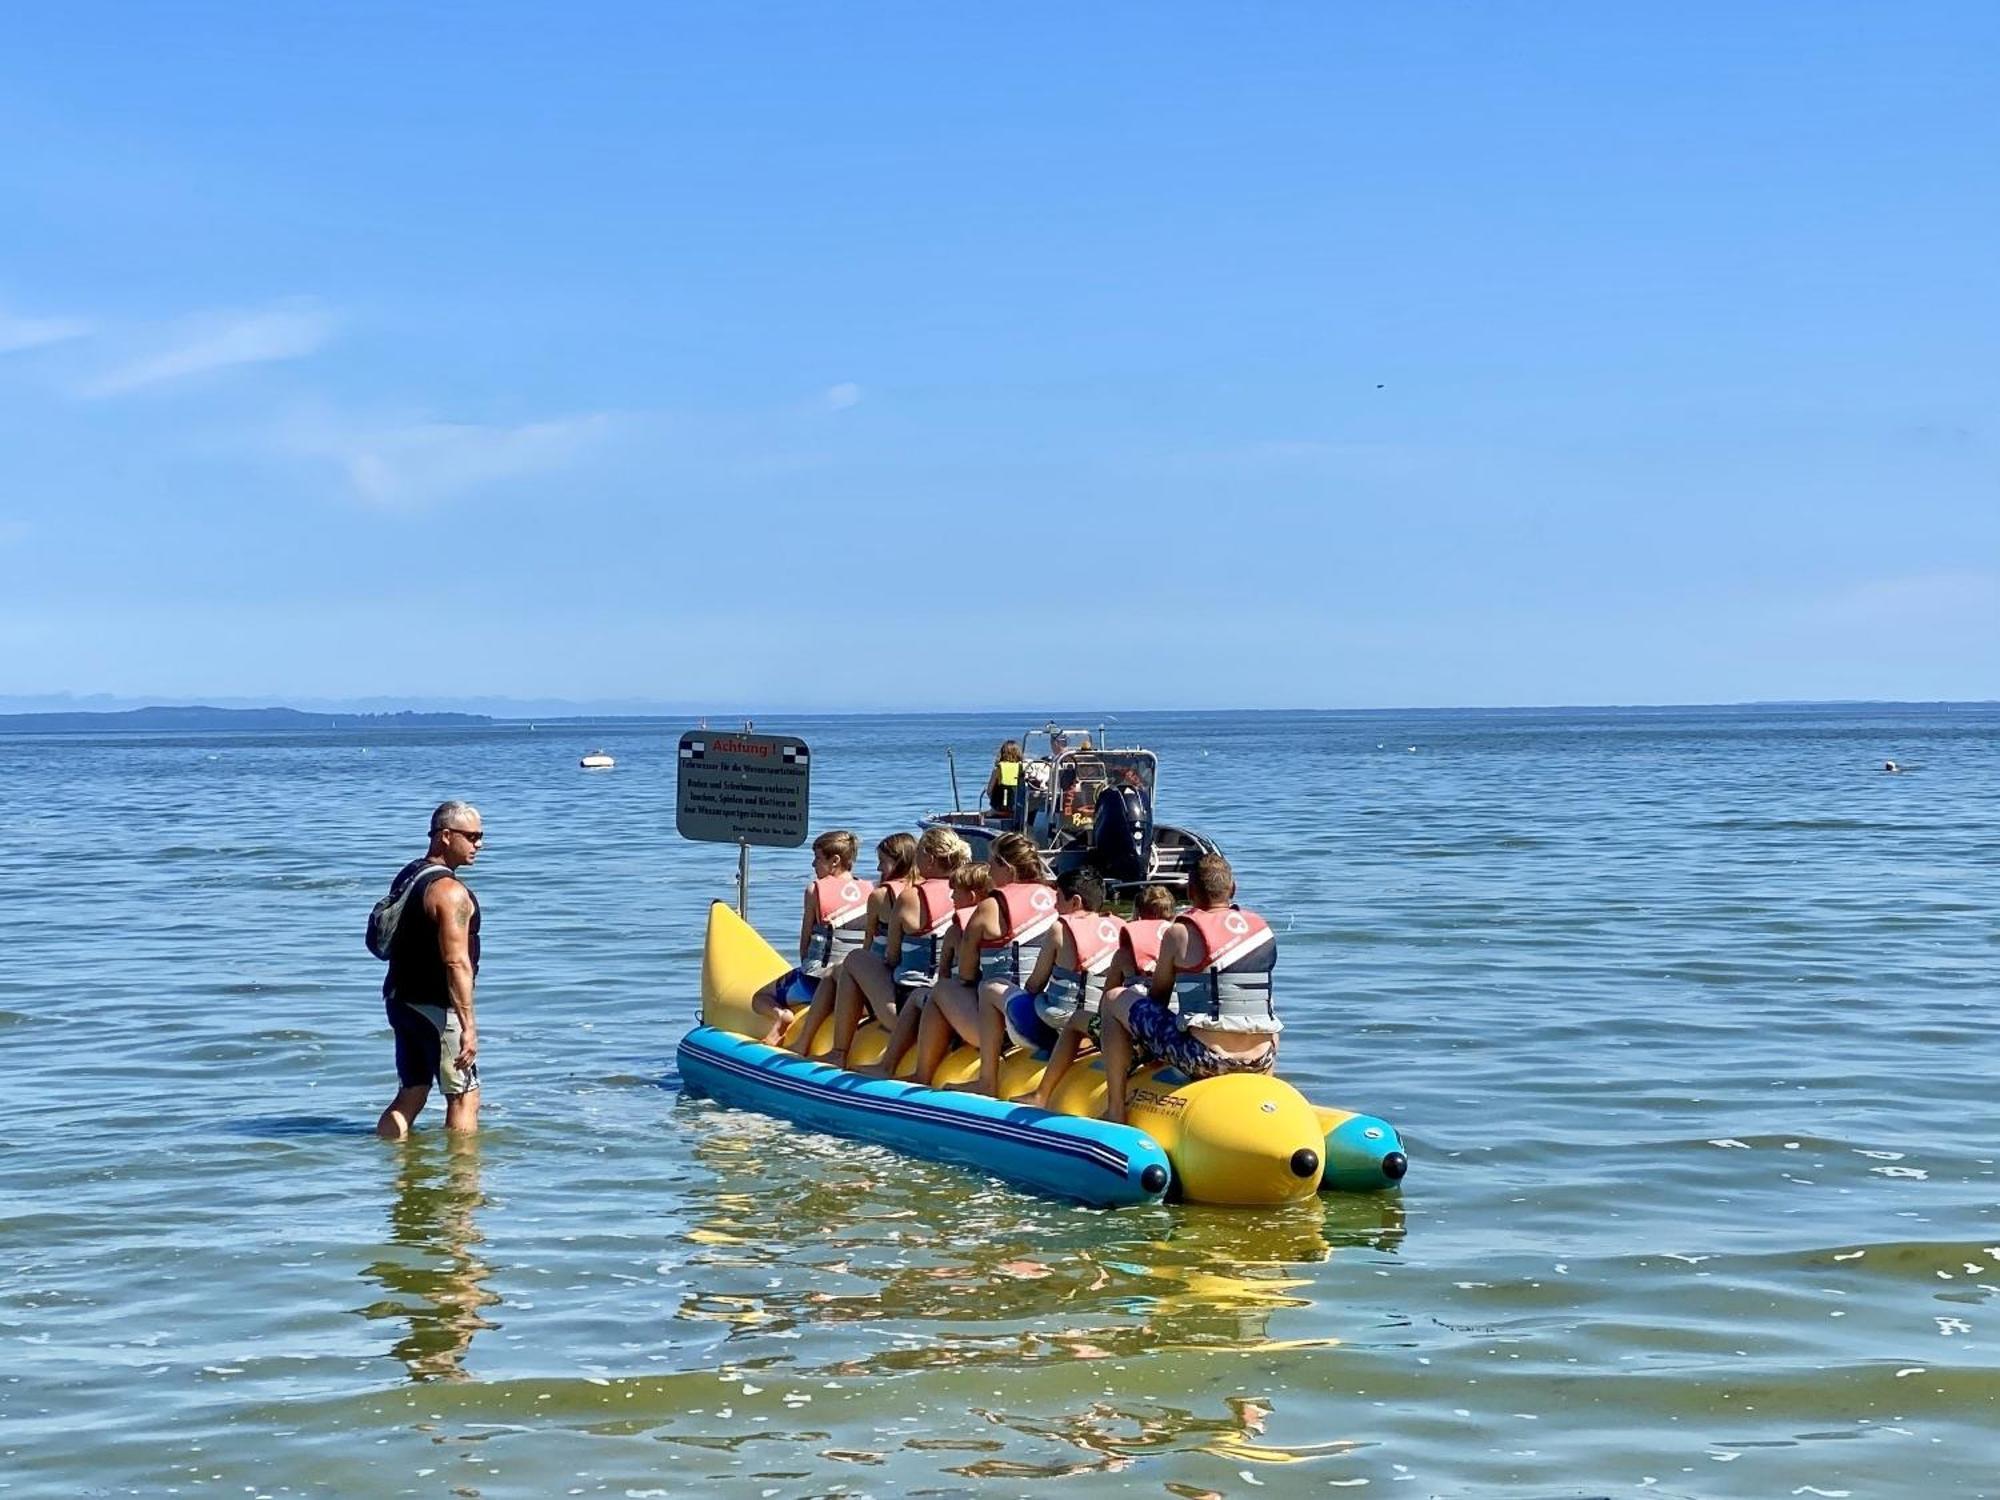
(408, 886)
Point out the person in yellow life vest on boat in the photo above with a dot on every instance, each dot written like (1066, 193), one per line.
(1207, 1009)
(1003, 787)
(895, 871)
(906, 957)
(1138, 949)
(971, 883)
(1003, 939)
(831, 927)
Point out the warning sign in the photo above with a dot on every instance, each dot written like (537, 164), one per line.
(743, 788)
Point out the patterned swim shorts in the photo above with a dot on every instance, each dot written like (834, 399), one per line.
(1158, 1034)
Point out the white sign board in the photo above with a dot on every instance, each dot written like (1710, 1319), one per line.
(743, 789)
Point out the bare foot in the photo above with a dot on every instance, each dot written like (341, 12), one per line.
(835, 1059)
(1027, 1098)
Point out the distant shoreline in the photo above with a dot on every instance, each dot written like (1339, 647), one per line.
(147, 720)
(197, 718)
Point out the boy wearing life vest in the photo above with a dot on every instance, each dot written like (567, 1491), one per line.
(831, 927)
(1138, 948)
(1003, 939)
(1208, 1009)
(919, 916)
(1069, 973)
(971, 883)
(895, 870)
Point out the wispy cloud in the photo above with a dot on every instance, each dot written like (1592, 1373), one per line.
(1934, 601)
(840, 397)
(413, 465)
(17, 333)
(223, 341)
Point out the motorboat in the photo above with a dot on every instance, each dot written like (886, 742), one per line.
(1086, 804)
(597, 760)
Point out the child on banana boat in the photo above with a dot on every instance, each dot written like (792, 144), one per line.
(1207, 1009)
(971, 883)
(1070, 971)
(831, 927)
(1138, 948)
(895, 872)
(1003, 939)
(906, 958)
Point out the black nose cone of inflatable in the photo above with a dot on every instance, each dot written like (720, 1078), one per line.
(1394, 1165)
(1305, 1162)
(1154, 1178)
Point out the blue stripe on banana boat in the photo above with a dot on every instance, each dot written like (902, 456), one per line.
(1248, 1139)
(1085, 1160)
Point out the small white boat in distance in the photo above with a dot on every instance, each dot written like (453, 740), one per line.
(597, 760)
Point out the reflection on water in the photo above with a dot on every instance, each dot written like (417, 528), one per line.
(963, 1276)
(431, 1270)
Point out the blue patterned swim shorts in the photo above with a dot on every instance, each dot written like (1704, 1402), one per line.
(1159, 1036)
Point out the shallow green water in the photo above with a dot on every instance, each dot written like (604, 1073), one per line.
(1688, 1019)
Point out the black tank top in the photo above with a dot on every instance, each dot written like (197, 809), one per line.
(416, 968)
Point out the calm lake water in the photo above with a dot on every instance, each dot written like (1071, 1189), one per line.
(1687, 1017)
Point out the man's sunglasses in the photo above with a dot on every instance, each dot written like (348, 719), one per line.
(475, 837)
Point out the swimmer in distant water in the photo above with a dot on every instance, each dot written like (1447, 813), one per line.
(1890, 765)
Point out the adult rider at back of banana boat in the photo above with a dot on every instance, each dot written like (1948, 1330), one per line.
(906, 959)
(895, 871)
(1003, 939)
(834, 919)
(1071, 965)
(1132, 963)
(971, 884)
(1208, 1008)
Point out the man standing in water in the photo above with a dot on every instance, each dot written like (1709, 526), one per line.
(433, 960)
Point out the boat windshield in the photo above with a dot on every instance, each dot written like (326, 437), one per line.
(1082, 776)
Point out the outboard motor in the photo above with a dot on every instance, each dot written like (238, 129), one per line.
(1121, 837)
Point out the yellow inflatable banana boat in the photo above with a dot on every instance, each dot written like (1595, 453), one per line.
(1245, 1139)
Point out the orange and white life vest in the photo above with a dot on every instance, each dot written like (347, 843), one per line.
(1142, 940)
(1027, 921)
(1231, 990)
(1093, 939)
(917, 960)
(843, 919)
(891, 891)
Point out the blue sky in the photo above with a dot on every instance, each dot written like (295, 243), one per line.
(1305, 355)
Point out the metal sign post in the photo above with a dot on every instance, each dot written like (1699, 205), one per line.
(743, 789)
